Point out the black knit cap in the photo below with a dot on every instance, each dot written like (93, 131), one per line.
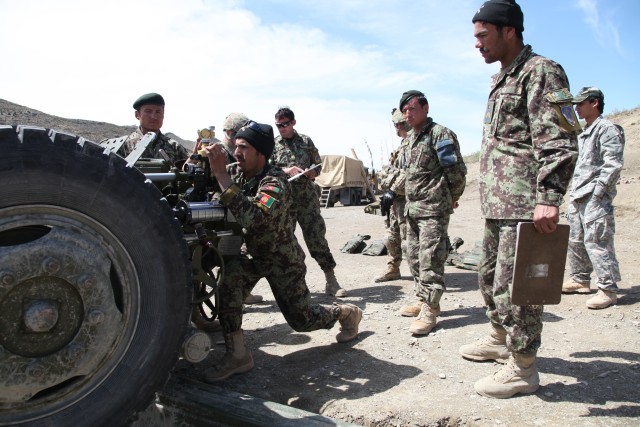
(506, 13)
(259, 135)
(148, 98)
(406, 97)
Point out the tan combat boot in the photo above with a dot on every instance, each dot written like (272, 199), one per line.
(519, 375)
(253, 299)
(392, 272)
(573, 287)
(236, 360)
(426, 320)
(602, 299)
(493, 347)
(332, 287)
(413, 310)
(349, 319)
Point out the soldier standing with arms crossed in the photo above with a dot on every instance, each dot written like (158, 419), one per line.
(295, 153)
(526, 161)
(434, 181)
(590, 211)
(394, 183)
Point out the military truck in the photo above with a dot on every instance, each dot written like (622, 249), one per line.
(104, 270)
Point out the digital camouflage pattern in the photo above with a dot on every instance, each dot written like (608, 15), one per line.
(522, 323)
(435, 178)
(529, 145)
(436, 173)
(300, 151)
(395, 181)
(261, 206)
(590, 212)
(174, 150)
(527, 157)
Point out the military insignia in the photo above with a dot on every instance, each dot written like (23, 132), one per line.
(271, 188)
(266, 200)
(567, 112)
(560, 96)
(488, 115)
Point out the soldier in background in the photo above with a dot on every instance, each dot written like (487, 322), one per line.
(149, 111)
(295, 153)
(434, 181)
(527, 157)
(260, 197)
(394, 183)
(590, 212)
(232, 123)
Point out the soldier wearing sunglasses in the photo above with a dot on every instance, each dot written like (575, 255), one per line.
(295, 153)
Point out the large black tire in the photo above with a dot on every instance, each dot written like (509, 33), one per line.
(95, 283)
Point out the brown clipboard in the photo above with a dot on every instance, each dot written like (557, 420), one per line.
(539, 264)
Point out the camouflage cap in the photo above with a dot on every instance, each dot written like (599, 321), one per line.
(586, 92)
(148, 98)
(234, 121)
(397, 117)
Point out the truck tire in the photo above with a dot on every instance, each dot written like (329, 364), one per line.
(95, 283)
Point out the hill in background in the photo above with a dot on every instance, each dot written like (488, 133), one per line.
(14, 114)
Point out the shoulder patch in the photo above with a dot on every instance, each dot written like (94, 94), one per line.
(266, 200)
(559, 96)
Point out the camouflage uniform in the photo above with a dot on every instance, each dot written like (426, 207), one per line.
(435, 178)
(527, 157)
(395, 181)
(590, 212)
(174, 150)
(300, 151)
(262, 206)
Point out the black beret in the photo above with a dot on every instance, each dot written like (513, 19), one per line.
(408, 95)
(506, 13)
(148, 98)
(259, 135)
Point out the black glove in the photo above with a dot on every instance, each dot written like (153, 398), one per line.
(386, 201)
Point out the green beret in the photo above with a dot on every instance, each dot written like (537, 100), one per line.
(406, 97)
(148, 98)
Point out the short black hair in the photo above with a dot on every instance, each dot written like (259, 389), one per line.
(285, 113)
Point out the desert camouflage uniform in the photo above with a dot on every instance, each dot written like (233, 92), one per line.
(527, 157)
(300, 151)
(262, 207)
(590, 212)
(174, 150)
(434, 179)
(395, 181)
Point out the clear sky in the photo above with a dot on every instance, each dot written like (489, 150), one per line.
(340, 65)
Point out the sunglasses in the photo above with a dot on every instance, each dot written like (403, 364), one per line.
(283, 124)
(255, 127)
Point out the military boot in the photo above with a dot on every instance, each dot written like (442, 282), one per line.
(332, 287)
(493, 347)
(602, 299)
(519, 375)
(349, 318)
(392, 272)
(236, 360)
(573, 287)
(413, 310)
(426, 320)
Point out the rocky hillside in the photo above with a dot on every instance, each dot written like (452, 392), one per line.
(14, 114)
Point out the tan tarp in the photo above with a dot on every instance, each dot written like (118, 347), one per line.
(341, 171)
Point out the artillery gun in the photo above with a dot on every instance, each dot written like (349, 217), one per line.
(106, 265)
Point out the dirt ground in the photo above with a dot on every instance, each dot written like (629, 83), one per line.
(589, 361)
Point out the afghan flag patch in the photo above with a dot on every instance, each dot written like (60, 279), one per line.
(266, 200)
(271, 188)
